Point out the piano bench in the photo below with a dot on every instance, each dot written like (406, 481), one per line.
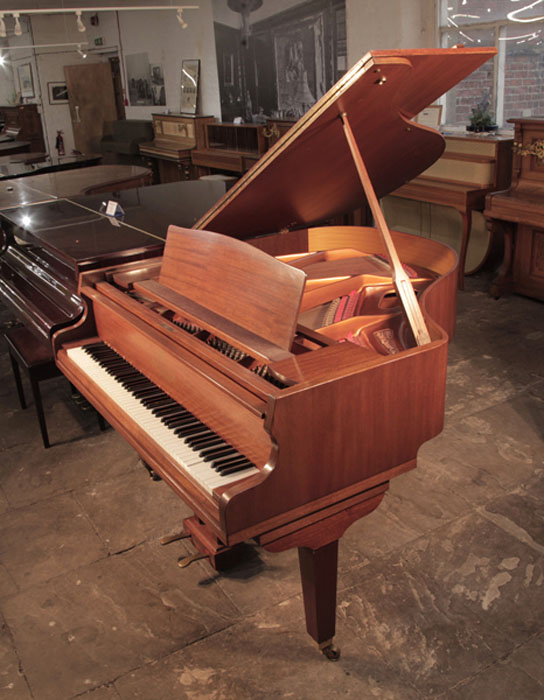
(25, 350)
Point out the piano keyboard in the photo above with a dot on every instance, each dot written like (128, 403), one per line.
(201, 453)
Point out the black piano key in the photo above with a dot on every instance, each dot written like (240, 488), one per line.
(202, 439)
(236, 468)
(226, 462)
(153, 393)
(220, 452)
(189, 428)
(167, 407)
(156, 401)
(214, 443)
(173, 421)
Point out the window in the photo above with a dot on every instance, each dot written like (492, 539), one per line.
(514, 80)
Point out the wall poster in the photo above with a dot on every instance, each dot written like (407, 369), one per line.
(277, 64)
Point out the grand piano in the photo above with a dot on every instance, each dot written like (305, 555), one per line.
(275, 372)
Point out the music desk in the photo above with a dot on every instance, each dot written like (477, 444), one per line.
(471, 166)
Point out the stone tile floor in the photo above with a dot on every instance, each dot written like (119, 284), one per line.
(441, 590)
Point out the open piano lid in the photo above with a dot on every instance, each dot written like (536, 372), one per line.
(309, 175)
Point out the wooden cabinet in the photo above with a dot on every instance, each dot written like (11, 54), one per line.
(230, 147)
(176, 135)
(23, 122)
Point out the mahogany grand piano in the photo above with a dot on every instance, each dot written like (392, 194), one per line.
(278, 396)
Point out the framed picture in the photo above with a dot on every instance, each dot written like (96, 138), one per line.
(430, 116)
(26, 83)
(190, 70)
(58, 93)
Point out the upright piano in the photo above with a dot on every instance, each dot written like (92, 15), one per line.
(516, 214)
(22, 126)
(274, 372)
(471, 166)
(176, 135)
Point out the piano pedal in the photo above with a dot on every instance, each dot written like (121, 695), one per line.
(167, 539)
(330, 650)
(183, 562)
(152, 473)
(206, 544)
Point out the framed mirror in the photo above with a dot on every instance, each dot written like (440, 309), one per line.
(190, 70)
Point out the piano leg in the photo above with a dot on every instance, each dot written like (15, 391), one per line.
(318, 573)
(466, 217)
(503, 281)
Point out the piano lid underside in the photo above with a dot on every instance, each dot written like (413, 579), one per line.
(309, 175)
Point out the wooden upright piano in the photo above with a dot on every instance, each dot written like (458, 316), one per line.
(471, 166)
(22, 125)
(517, 213)
(279, 395)
(176, 135)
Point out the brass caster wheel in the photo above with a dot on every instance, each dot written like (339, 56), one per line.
(332, 652)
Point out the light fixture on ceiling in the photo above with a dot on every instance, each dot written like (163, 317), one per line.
(80, 51)
(17, 30)
(79, 22)
(43, 46)
(3, 32)
(245, 8)
(117, 8)
(183, 23)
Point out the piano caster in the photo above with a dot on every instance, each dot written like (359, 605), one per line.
(330, 650)
(152, 473)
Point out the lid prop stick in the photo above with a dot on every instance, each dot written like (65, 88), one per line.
(402, 284)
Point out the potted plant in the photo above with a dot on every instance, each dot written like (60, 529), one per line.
(481, 118)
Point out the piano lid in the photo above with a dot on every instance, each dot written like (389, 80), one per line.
(309, 175)
(80, 238)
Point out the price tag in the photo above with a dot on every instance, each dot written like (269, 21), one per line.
(111, 208)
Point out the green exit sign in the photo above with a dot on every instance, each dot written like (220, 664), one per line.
(98, 41)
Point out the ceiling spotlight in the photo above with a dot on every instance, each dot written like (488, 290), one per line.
(79, 22)
(183, 23)
(80, 51)
(17, 31)
(2, 25)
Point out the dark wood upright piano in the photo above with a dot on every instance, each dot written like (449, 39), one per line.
(516, 214)
(277, 373)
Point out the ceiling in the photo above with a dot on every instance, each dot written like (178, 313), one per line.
(22, 5)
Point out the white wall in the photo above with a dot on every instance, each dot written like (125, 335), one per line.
(7, 89)
(160, 36)
(389, 24)
(371, 24)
